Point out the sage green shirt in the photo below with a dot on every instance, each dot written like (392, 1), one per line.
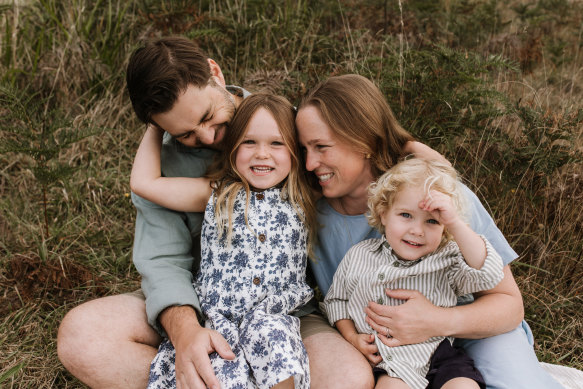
(167, 243)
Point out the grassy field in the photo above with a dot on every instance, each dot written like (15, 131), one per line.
(497, 87)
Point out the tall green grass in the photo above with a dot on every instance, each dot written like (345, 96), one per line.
(503, 102)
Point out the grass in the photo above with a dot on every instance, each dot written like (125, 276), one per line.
(504, 102)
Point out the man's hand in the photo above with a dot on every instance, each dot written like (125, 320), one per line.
(193, 345)
(414, 321)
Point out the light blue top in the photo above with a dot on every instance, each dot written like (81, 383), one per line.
(340, 232)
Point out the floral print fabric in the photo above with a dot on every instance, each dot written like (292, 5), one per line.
(247, 288)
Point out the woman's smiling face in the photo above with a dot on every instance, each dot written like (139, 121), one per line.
(340, 169)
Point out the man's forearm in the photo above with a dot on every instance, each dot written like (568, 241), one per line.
(175, 318)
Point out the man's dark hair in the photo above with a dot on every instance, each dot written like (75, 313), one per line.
(160, 70)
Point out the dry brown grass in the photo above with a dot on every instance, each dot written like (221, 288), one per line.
(283, 49)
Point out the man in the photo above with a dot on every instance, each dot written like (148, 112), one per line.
(109, 342)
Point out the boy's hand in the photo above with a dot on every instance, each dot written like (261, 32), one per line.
(366, 345)
(441, 207)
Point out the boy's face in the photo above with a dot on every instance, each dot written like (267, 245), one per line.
(200, 116)
(411, 231)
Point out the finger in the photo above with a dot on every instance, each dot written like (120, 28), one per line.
(204, 369)
(221, 346)
(379, 328)
(401, 294)
(380, 309)
(189, 379)
(374, 359)
(390, 342)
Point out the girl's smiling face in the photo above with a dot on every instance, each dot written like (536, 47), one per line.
(263, 158)
(410, 231)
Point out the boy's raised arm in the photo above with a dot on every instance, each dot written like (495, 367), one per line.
(177, 193)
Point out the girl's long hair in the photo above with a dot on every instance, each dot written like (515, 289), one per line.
(228, 181)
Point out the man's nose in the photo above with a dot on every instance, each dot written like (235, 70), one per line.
(206, 134)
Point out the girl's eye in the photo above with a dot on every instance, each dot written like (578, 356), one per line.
(248, 142)
(321, 147)
(432, 221)
(405, 215)
(277, 143)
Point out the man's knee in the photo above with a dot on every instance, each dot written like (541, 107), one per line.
(74, 335)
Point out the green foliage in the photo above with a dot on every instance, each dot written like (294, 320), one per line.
(495, 86)
(30, 126)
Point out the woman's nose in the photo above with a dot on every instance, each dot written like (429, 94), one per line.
(311, 161)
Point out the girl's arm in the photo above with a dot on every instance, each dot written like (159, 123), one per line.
(471, 245)
(177, 193)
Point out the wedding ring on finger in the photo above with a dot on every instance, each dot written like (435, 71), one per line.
(388, 335)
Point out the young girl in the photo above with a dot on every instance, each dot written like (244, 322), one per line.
(426, 246)
(253, 245)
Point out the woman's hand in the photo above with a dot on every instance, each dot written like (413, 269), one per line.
(421, 150)
(414, 321)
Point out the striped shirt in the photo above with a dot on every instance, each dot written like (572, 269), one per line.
(371, 266)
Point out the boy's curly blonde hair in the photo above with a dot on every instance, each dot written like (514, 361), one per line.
(414, 172)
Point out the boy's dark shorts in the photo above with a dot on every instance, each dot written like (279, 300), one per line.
(449, 362)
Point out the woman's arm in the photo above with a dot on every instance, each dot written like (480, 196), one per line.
(177, 193)
(494, 312)
(421, 150)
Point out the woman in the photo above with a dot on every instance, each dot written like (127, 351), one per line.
(351, 137)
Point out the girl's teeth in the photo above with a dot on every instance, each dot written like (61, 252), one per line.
(261, 169)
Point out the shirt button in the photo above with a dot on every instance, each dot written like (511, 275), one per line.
(260, 196)
(380, 300)
(256, 280)
(262, 237)
(389, 358)
(381, 276)
(396, 264)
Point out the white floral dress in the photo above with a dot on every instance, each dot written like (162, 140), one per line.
(247, 289)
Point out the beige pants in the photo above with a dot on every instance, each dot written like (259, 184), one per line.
(311, 324)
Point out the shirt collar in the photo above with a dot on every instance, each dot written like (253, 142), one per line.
(382, 244)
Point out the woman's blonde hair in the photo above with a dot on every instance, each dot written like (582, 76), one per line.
(228, 181)
(357, 112)
(414, 172)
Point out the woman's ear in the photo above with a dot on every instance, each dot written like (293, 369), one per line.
(216, 73)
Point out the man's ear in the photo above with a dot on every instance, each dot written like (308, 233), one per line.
(216, 72)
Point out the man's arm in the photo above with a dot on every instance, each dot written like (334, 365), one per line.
(162, 255)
